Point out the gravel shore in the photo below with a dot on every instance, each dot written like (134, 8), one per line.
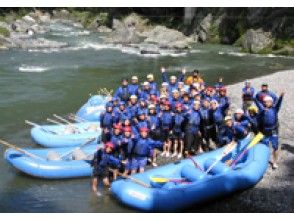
(274, 193)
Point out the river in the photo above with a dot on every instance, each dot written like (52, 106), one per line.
(35, 84)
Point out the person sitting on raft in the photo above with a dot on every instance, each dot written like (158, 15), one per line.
(103, 160)
(269, 125)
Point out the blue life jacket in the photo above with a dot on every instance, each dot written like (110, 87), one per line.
(228, 134)
(116, 140)
(145, 94)
(107, 119)
(248, 95)
(224, 102)
(179, 120)
(244, 121)
(187, 106)
(141, 124)
(269, 117)
(127, 144)
(133, 110)
(102, 160)
(153, 121)
(207, 118)
(194, 120)
(166, 120)
(134, 89)
(123, 93)
(122, 115)
(153, 85)
(143, 146)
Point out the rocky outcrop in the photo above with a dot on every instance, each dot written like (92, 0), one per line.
(167, 38)
(124, 33)
(256, 41)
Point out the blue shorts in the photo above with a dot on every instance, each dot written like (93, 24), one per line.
(140, 162)
(131, 164)
(273, 139)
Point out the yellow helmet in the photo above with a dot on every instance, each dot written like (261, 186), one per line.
(253, 108)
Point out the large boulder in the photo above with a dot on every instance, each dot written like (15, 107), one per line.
(256, 41)
(167, 38)
(123, 33)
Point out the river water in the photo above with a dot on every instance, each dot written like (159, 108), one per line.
(35, 84)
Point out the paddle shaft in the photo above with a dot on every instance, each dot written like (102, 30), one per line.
(20, 150)
(54, 122)
(226, 151)
(36, 125)
(79, 147)
(132, 179)
(63, 119)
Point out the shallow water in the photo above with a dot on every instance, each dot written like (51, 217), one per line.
(35, 84)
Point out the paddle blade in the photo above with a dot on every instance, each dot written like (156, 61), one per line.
(256, 140)
(159, 179)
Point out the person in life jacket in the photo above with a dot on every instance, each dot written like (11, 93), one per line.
(231, 131)
(176, 98)
(142, 149)
(107, 119)
(122, 113)
(141, 121)
(265, 92)
(253, 117)
(192, 131)
(123, 92)
(103, 160)
(145, 91)
(142, 106)
(195, 78)
(153, 122)
(134, 86)
(152, 83)
(247, 95)
(166, 124)
(241, 118)
(223, 99)
(173, 82)
(208, 128)
(127, 144)
(133, 106)
(164, 91)
(219, 84)
(186, 102)
(116, 138)
(209, 93)
(178, 131)
(268, 119)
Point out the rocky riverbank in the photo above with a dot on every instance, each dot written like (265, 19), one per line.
(245, 28)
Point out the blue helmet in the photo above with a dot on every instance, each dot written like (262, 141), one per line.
(122, 103)
(108, 104)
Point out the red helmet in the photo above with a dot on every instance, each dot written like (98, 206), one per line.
(223, 89)
(128, 129)
(144, 129)
(117, 126)
(210, 88)
(167, 103)
(109, 145)
(179, 105)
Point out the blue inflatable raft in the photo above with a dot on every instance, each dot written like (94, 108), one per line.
(49, 164)
(200, 187)
(92, 109)
(66, 136)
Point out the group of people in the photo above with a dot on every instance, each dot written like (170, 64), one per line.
(181, 117)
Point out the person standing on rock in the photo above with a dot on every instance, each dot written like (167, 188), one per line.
(152, 83)
(195, 78)
(134, 86)
(123, 92)
(268, 120)
(247, 95)
(173, 82)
